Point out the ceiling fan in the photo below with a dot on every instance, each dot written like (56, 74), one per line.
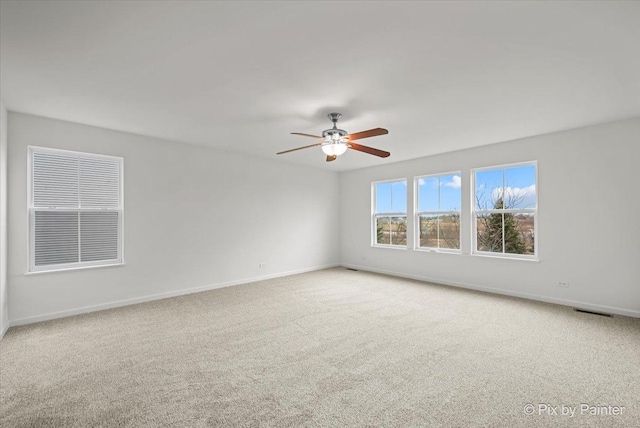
(335, 142)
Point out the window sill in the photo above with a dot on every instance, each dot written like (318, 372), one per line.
(438, 251)
(67, 269)
(506, 257)
(391, 247)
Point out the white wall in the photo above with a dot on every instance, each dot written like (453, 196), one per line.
(198, 217)
(194, 217)
(589, 220)
(4, 301)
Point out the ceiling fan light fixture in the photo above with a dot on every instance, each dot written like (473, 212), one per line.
(334, 149)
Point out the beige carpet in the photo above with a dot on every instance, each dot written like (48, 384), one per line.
(329, 348)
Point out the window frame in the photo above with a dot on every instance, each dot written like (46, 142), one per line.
(31, 210)
(391, 214)
(475, 212)
(417, 214)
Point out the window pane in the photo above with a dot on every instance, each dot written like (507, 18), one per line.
(450, 192)
(383, 234)
(383, 198)
(489, 232)
(429, 231)
(55, 180)
(55, 237)
(428, 194)
(399, 197)
(520, 187)
(488, 191)
(519, 233)
(99, 236)
(398, 231)
(449, 235)
(99, 182)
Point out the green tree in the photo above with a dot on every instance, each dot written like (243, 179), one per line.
(493, 228)
(491, 239)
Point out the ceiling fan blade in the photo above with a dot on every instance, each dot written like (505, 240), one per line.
(306, 135)
(299, 148)
(366, 134)
(331, 158)
(369, 150)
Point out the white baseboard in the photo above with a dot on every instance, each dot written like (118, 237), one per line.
(159, 296)
(571, 303)
(4, 330)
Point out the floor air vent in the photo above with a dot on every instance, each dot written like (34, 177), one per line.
(584, 311)
(355, 270)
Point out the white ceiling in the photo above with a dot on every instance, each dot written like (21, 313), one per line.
(241, 76)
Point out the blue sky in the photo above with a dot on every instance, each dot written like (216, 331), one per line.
(519, 184)
(391, 196)
(443, 193)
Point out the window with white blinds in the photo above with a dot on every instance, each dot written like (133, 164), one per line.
(75, 209)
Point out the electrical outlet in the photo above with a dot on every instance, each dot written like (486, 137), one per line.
(263, 265)
(564, 284)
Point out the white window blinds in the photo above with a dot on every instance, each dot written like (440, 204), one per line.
(75, 209)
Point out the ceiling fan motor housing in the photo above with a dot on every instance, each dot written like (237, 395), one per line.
(334, 135)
